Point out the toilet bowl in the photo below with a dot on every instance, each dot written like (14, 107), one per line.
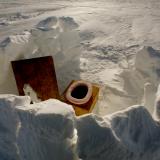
(79, 92)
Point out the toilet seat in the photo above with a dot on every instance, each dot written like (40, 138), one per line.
(79, 101)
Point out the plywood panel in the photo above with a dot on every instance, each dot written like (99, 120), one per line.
(39, 73)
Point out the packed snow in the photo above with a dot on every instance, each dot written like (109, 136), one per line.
(114, 43)
(49, 130)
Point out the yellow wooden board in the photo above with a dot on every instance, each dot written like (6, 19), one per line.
(87, 108)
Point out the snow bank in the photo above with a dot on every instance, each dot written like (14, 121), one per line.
(53, 36)
(50, 130)
(138, 132)
(135, 83)
(9, 123)
(47, 131)
(131, 134)
(126, 81)
(143, 78)
(136, 129)
(97, 141)
(40, 131)
(156, 113)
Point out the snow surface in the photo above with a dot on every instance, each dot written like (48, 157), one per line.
(50, 130)
(111, 42)
(52, 36)
(99, 41)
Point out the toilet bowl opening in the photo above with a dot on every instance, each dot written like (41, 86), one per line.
(79, 92)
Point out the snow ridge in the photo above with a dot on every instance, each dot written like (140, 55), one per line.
(50, 130)
(53, 36)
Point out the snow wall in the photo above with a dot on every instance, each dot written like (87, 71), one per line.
(50, 130)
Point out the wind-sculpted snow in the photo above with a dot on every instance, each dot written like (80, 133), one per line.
(128, 71)
(134, 83)
(43, 131)
(52, 36)
(9, 124)
(138, 132)
(50, 130)
(47, 131)
(131, 134)
(97, 141)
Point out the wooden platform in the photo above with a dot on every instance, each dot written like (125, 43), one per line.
(87, 108)
(39, 73)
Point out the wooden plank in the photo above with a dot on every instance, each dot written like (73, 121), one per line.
(39, 73)
(87, 108)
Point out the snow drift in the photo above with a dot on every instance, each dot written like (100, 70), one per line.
(50, 130)
(9, 124)
(113, 36)
(47, 131)
(137, 131)
(126, 81)
(39, 131)
(135, 83)
(53, 36)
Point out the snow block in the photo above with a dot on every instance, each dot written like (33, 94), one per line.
(97, 141)
(138, 132)
(46, 132)
(9, 124)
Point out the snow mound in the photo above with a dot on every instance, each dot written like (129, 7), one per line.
(9, 123)
(136, 129)
(53, 36)
(50, 130)
(40, 131)
(145, 77)
(130, 134)
(134, 83)
(62, 23)
(97, 141)
(46, 132)
(156, 113)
